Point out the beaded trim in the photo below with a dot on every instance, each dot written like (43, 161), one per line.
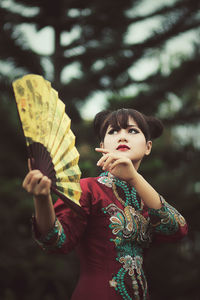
(167, 219)
(55, 238)
(106, 179)
(129, 192)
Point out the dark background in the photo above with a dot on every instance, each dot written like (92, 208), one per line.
(103, 58)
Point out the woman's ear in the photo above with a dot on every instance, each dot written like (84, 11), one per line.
(148, 147)
(101, 145)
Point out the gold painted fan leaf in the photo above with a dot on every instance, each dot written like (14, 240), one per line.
(49, 139)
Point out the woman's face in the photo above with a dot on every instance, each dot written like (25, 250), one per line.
(129, 142)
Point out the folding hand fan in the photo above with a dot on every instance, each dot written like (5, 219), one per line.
(49, 139)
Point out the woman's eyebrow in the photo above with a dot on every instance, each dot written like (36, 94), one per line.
(113, 127)
(129, 125)
(118, 127)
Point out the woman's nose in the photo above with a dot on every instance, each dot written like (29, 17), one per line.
(123, 136)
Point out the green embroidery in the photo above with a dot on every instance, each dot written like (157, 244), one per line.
(55, 238)
(167, 219)
(132, 234)
(129, 191)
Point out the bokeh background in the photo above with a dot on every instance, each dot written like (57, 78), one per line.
(103, 54)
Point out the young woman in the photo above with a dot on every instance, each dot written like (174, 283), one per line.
(123, 212)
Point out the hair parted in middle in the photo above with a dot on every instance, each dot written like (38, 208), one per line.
(151, 127)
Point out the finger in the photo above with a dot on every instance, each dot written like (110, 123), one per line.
(43, 187)
(29, 164)
(45, 182)
(31, 180)
(102, 150)
(29, 176)
(36, 178)
(102, 160)
(109, 162)
(35, 181)
(107, 156)
(117, 162)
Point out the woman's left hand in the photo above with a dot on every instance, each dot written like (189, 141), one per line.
(117, 165)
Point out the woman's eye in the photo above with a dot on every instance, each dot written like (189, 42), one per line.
(113, 131)
(133, 130)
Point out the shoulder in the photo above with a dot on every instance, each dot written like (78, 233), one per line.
(92, 188)
(88, 183)
(91, 193)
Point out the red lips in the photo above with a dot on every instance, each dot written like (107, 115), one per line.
(123, 147)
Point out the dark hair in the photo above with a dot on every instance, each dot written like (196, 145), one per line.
(151, 127)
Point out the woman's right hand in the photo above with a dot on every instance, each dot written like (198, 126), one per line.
(37, 184)
(40, 187)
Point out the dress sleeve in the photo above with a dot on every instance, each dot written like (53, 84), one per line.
(68, 228)
(167, 223)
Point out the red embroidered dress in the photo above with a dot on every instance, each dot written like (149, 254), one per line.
(112, 237)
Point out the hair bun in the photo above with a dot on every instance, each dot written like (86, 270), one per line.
(155, 126)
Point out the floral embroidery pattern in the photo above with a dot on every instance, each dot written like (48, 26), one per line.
(132, 234)
(167, 219)
(106, 180)
(55, 238)
(129, 224)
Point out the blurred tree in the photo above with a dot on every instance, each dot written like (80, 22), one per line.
(100, 41)
(92, 37)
